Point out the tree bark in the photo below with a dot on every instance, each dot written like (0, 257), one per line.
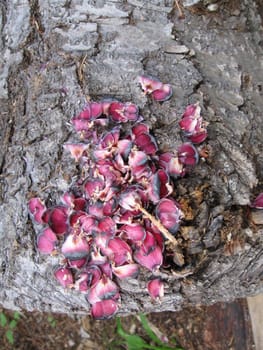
(58, 53)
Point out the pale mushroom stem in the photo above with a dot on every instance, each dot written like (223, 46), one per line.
(158, 224)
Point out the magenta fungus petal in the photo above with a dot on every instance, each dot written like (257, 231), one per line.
(137, 159)
(155, 289)
(107, 225)
(46, 241)
(89, 276)
(148, 243)
(258, 202)
(169, 214)
(74, 218)
(159, 186)
(96, 258)
(77, 264)
(110, 207)
(126, 271)
(111, 138)
(64, 276)
(93, 188)
(188, 125)
(82, 282)
(81, 125)
(105, 106)
(106, 269)
(129, 200)
(162, 94)
(79, 204)
(123, 112)
(88, 223)
(152, 261)
(198, 137)
(76, 150)
(124, 148)
(104, 289)
(96, 209)
(94, 273)
(149, 84)
(139, 129)
(68, 198)
(192, 111)
(146, 143)
(101, 239)
(75, 247)
(188, 154)
(192, 124)
(131, 112)
(138, 163)
(37, 208)
(134, 231)
(85, 113)
(116, 112)
(170, 162)
(57, 218)
(105, 309)
(96, 109)
(120, 252)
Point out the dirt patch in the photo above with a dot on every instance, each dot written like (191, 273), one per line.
(218, 327)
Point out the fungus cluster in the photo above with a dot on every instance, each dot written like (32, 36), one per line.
(117, 217)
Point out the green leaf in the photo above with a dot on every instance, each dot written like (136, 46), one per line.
(149, 331)
(51, 321)
(134, 342)
(3, 320)
(10, 336)
(159, 344)
(12, 324)
(16, 315)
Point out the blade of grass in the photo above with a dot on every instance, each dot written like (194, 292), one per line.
(134, 342)
(153, 336)
(148, 330)
(10, 336)
(3, 320)
(16, 315)
(12, 324)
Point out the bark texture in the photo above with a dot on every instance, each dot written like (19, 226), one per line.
(57, 53)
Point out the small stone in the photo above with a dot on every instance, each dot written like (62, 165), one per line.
(176, 49)
(188, 3)
(212, 7)
(257, 216)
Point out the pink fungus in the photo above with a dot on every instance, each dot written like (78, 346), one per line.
(64, 276)
(126, 271)
(75, 247)
(155, 289)
(57, 218)
(46, 241)
(105, 288)
(76, 150)
(188, 154)
(258, 202)
(37, 209)
(118, 213)
(160, 92)
(103, 310)
(169, 214)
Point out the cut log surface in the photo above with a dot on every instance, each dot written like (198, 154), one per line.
(56, 54)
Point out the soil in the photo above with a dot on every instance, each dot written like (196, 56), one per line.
(223, 326)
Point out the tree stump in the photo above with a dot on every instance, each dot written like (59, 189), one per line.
(58, 54)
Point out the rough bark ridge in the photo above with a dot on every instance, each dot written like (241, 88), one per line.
(56, 53)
